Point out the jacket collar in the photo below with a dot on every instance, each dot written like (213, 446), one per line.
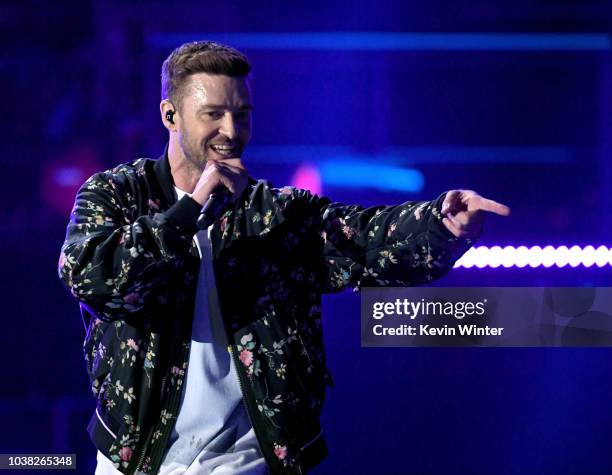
(164, 177)
(237, 220)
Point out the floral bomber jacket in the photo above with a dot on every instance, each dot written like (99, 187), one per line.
(130, 260)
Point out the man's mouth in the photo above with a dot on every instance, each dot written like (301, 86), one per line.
(225, 150)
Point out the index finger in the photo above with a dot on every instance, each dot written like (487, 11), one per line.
(485, 204)
(234, 164)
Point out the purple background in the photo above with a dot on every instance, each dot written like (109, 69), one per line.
(527, 124)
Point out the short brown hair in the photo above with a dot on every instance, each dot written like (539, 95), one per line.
(199, 57)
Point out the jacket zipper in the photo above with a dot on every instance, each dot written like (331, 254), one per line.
(144, 451)
(307, 444)
(246, 407)
(146, 445)
(173, 405)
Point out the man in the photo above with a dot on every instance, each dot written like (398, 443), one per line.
(204, 347)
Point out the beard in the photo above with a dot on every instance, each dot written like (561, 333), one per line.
(194, 154)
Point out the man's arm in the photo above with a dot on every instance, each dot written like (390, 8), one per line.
(409, 244)
(117, 263)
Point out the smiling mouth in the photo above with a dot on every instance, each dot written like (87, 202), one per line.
(227, 151)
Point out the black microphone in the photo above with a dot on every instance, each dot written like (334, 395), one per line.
(213, 208)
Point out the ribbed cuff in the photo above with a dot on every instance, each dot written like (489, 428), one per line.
(437, 218)
(184, 214)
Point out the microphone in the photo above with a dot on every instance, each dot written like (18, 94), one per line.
(212, 209)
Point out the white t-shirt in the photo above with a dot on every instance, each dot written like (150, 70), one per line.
(212, 434)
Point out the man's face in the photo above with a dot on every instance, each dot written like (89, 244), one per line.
(215, 118)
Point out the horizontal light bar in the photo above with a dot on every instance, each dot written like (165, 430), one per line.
(388, 41)
(536, 256)
(481, 154)
(410, 155)
(354, 173)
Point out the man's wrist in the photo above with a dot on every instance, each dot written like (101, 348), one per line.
(184, 214)
(200, 196)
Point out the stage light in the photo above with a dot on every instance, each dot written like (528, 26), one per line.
(358, 173)
(307, 177)
(535, 256)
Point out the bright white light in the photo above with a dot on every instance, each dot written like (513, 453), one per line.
(548, 256)
(482, 256)
(601, 256)
(508, 256)
(522, 256)
(588, 256)
(575, 256)
(535, 256)
(562, 256)
(495, 256)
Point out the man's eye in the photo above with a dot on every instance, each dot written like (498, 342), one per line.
(243, 115)
(214, 115)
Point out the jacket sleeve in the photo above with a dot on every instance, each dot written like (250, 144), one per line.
(401, 245)
(117, 263)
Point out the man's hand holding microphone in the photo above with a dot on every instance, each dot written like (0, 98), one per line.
(221, 183)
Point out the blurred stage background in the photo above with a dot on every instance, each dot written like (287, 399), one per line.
(382, 102)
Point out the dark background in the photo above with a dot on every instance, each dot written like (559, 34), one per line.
(525, 119)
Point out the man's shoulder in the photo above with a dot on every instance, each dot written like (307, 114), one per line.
(264, 190)
(128, 170)
(268, 200)
(124, 174)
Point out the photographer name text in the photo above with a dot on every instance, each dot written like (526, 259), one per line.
(413, 309)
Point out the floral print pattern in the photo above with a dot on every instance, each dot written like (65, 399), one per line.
(130, 260)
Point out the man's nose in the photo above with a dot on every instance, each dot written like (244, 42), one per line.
(229, 128)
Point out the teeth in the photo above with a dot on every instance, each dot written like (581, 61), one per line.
(223, 149)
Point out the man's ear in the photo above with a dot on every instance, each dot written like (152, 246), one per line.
(168, 114)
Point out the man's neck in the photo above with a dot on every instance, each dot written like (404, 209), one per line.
(184, 174)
